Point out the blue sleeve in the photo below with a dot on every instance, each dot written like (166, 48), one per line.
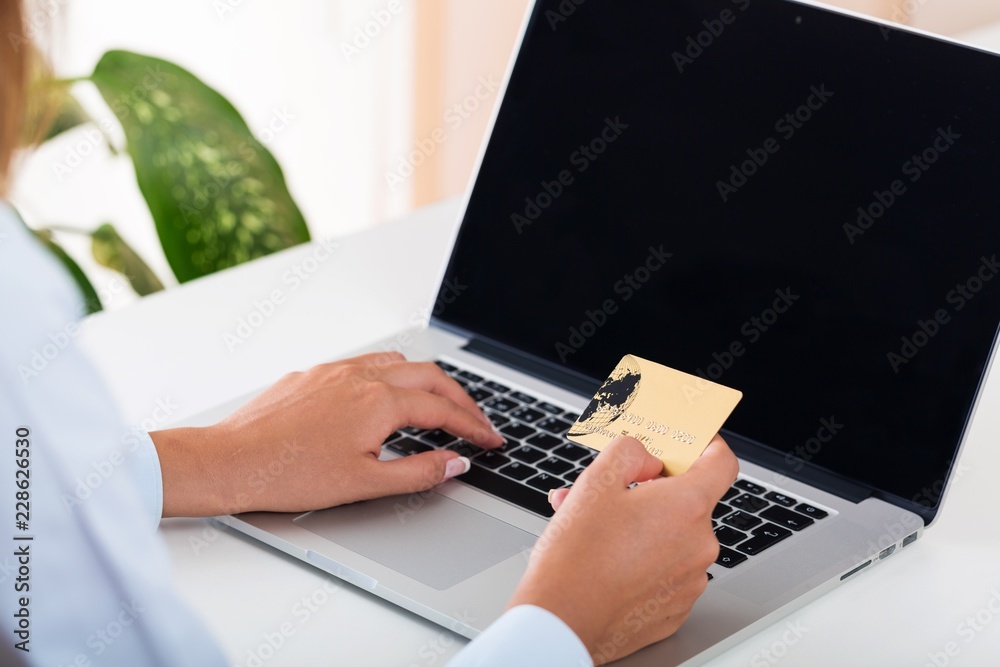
(92, 577)
(525, 636)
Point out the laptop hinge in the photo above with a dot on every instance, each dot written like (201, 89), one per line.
(508, 356)
(744, 447)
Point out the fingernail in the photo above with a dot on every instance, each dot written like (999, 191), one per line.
(552, 492)
(455, 467)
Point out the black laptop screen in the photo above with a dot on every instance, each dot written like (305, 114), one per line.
(794, 203)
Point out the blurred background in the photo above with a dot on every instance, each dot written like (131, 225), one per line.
(372, 107)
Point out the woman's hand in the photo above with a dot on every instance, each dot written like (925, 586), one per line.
(313, 440)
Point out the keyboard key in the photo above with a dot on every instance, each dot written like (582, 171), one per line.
(412, 430)
(553, 425)
(465, 383)
(729, 558)
(507, 489)
(555, 466)
(571, 417)
(546, 482)
(521, 396)
(747, 485)
(729, 536)
(501, 404)
(496, 386)
(583, 463)
(748, 503)
(438, 438)
(529, 415)
(780, 498)
(764, 537)
(528, 454)
(809, 510)
(741, 520)
(465, 448)
(730, 493)
(479, 394)
(571, 452)
(471, 377)
(518, 471)
(407, 446)
(517, 431)
(786, 518)
(572, 475)
(721, 511)
(395, 435)
(497, 418)
(445, 366)
(544, 441)
(491, 459)
(548, 407)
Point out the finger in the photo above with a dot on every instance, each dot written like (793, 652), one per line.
(417, 473)
(627, 460)
(715, 470)
(428, 377)
(425, 410)
(557, 497)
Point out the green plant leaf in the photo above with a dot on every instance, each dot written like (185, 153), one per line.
(112, 251)
(218, 197)
(91, 301)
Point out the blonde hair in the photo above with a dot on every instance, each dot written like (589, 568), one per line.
(13, 84)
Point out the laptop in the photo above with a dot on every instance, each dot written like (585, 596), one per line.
(789, 200)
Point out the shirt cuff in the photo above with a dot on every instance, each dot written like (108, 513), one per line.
(145, 462)
(525, 635)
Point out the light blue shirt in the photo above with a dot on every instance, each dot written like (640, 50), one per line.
(90, 582)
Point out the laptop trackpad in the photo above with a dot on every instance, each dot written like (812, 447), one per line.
(439, 543)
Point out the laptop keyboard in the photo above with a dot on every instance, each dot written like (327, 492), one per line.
(536, 457)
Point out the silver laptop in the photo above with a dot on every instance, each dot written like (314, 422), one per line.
(782, 198)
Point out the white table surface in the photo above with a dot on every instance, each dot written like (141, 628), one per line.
(169, 349)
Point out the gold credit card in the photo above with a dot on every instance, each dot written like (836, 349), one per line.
(674, 414)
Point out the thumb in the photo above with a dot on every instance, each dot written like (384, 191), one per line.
(418, 472)
(556, 498)
(625, 460)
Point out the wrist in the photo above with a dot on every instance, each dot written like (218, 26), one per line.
(193, 482)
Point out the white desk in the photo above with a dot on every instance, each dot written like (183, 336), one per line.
(170, 348)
